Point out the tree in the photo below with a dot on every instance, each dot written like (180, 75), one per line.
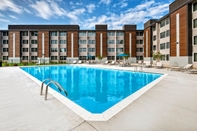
(99, 57)
(157, 56)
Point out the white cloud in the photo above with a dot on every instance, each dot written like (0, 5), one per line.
(51, 8)
(90, 7)
(137, 15)
(107, 2)
(71, 3)
(78, 3)
(14, 17)
(9, 5)
(26, 10)
(4, 20)
(121, 4)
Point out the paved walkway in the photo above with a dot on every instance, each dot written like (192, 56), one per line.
(171, 105)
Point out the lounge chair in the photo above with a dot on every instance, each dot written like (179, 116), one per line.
(193, 71)
(79, 62)
(106, 62)
(159, 65)
(187, 67)
(113, 63)
(74, 62)
(38, 63)
(147, 63)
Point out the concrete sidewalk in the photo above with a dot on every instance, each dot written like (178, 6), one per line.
(171, 105)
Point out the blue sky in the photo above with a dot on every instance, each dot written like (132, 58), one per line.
(85, 13)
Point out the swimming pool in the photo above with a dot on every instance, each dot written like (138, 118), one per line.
(94, 89)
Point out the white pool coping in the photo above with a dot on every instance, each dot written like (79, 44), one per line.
(108, 113)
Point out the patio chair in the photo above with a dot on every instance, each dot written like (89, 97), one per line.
(74, 62)
(159, 65)
(79, 62)
(113, 63)
(106, 62)
(147, 63)
(187, 67)
(193, 71)
(174, 68)
(38, 63)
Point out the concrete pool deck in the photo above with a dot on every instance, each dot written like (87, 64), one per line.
(169, 105)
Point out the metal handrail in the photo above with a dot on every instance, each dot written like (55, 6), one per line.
(59, 87)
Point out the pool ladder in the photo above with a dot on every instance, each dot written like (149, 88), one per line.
(57, 85)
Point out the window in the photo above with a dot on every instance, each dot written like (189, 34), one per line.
(24, 33)
(167, 21)
(167, 45)
(195, 40)
(110, 58)
(153, 28)
(110, 34)
(162, 23)
(53, 49)
(195, 6)
(82, 33)
(139, 57)
(91, 49)
(5, 41)
(195, 57)
(33, 57)
(25, 57)
(91, 34)
(5, 49)
(54, 33)
(62, 41)
(119, 58)
(25, 41)
(195, 23)
(162, 46)
(53, 57)
(119, 49)
(5, 34)
(120, 34)
(91, 41)
(139, 33)
(110, 42)
(34, 49)
(167, 57)
(62, 33)
(162, 35)
(82, 58)
(163, 57)
(167, 33)
(139, 50)
(110, 49)
(154, 37)
(82, 41)
(139, 41)
(82, 49)
(53, 41)
(34, 41)
(154, 47)
(62, 57)
(119, 41)
(25, 49)
(5, 57)
(34, 33)
(62, 49)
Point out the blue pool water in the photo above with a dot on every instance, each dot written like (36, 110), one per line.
(94, 89)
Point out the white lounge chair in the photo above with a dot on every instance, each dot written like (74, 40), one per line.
(159, 65)
(74, 62)
(187, 67)
(147, 63)
(79, 62)
(38, 63)
(193, 71)
(106, 62)
(113, 63)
